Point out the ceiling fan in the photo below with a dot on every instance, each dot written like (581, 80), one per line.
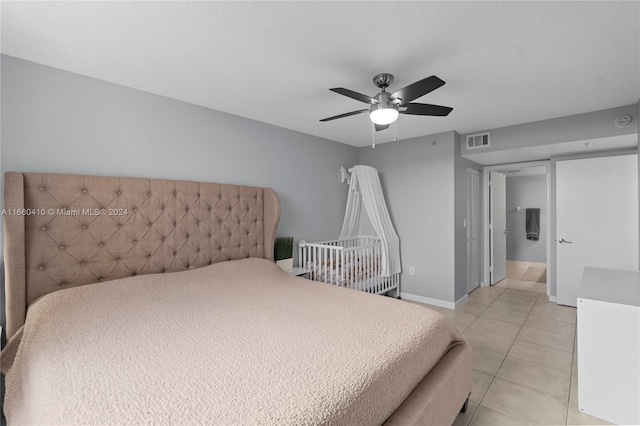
(386, 106)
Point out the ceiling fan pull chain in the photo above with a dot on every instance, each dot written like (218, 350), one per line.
(373, 135)
(395, 131)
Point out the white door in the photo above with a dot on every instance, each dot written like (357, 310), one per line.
(498, 224)
(596, 219)
(473, 229)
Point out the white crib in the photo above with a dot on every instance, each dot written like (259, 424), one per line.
(352, 263)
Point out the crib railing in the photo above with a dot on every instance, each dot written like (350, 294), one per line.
(349, 262)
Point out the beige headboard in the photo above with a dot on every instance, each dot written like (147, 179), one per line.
(68, 230)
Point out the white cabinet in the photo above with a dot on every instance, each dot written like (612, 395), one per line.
(609, 345)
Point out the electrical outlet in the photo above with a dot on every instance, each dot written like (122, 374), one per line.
(412, 270)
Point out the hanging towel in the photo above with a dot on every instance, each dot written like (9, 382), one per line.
(365, 189)
(533, 224)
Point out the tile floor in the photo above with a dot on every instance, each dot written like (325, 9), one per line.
(524, 357)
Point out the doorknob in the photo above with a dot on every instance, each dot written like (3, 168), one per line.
(562, 241)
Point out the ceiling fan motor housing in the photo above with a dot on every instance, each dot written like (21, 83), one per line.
(383, 80)
(383, 112)
(383, 102)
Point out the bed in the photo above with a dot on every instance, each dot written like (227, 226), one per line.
(353, 263)
(134, 301)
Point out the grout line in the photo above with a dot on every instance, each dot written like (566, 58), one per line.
(566, 417)
(555, 319)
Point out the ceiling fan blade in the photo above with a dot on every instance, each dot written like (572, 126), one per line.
(380, 127)
(417, 89)
(426, 109)
(355, 95)
(346, 114)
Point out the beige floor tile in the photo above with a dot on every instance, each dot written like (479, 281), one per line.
(542, 355)
(542, 300)
(502, 328)
(575, 417)
(546, 338)
(522, 293)
(463, 419)
(472, 308)
(556, 312)
(516, 268)
(514, 298)
(481, 382)
(540, 288)
(524, 404)
(484, 299)
(481, 300)
(487, 361)
(486, 417)
(461, 320)
(528, 286)
(505, 315)
(573, 391)
(490, 342)
(512, 307)
(555, 326)
(543, 379)
(491, 291)
(544, 303)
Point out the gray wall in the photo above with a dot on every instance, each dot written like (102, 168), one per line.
(56, 121)
(418, 182)
(59, 122)
(579, 127)
(526, 191)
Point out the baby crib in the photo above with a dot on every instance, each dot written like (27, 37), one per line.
(351, 262)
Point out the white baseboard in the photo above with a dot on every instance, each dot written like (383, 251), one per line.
(552, 299)
(428, 300)
(462, 300)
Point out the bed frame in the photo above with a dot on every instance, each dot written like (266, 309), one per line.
(70, 230)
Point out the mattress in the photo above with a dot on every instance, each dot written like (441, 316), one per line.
(236, 343)
(353, 271)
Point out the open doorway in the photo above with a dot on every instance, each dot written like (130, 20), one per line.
(517, 226)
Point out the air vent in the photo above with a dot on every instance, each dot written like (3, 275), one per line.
(477, 141)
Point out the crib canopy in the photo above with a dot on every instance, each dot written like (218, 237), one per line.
(365, 189)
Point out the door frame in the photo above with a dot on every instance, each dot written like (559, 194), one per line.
(469, 225)
(486, 246)
(497, 226)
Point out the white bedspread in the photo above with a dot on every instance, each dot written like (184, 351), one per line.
(237, 343)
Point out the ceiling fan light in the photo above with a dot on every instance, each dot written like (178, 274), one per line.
(383, 116)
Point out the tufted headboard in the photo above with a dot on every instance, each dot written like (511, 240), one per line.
(70, 230)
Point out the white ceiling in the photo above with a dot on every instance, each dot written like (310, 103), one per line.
(504, 63)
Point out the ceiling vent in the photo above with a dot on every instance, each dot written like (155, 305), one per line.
(479, 140)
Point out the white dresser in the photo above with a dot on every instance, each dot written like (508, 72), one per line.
(609, 345)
